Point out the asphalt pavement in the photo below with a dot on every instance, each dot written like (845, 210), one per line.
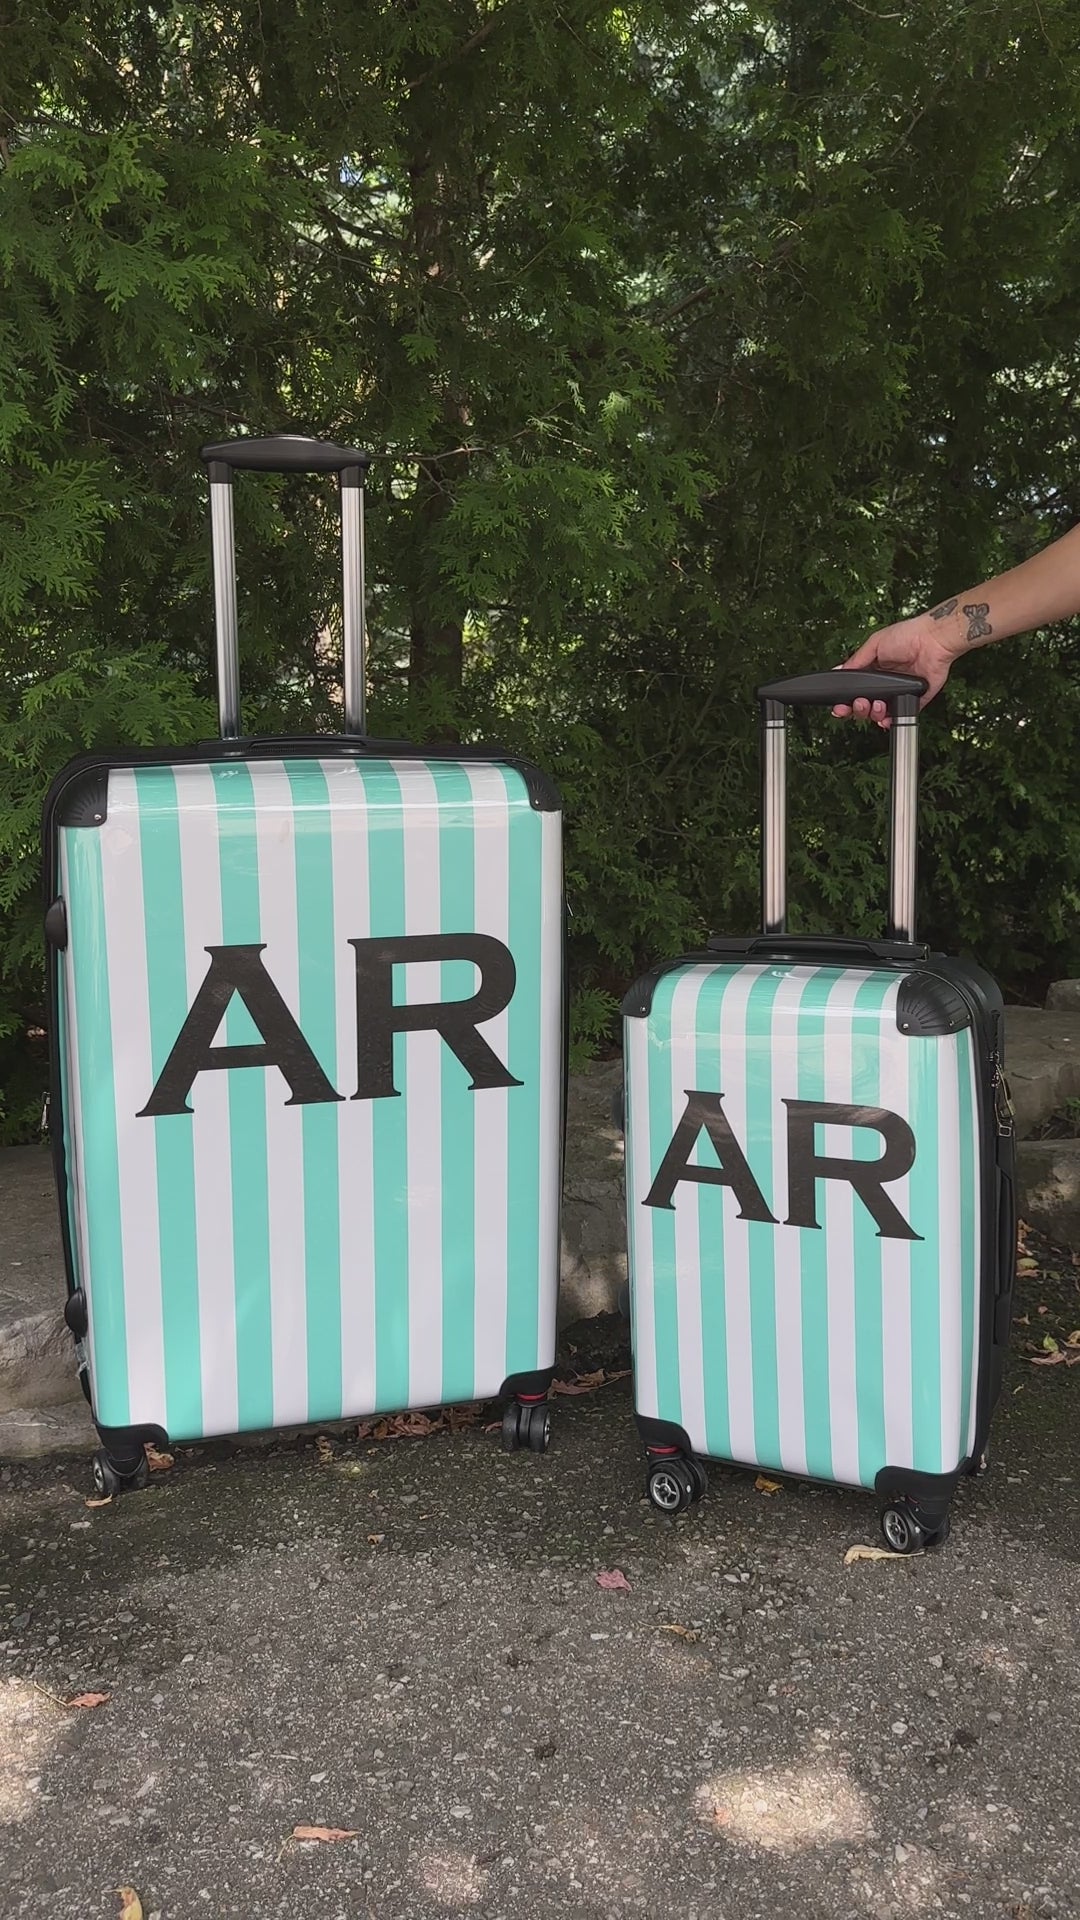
(405, 1642)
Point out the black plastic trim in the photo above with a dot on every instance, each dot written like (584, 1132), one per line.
(75, 1314)
(929, 1005)
(855, 683)
(820, 947)
(85, 798)
(283, 453)
(56, 926)
(125, 1445)
(637, 1001)
(528, 1385)
(930, 1494)
(662, 1433)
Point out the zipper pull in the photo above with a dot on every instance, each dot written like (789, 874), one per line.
(1003, 1106)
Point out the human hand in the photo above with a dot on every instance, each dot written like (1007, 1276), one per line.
(924, 646)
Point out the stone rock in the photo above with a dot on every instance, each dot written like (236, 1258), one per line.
(1048, 1180)
(1064, 997)
(594, 1220)
(28, 1432)
(1042, 1060)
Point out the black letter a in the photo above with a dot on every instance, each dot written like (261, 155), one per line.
(705, 1110)
(238, 970)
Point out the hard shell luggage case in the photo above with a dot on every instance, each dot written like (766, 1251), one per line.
(819, 1179)
(309, 1060)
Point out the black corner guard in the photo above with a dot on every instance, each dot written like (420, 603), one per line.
(927, 1006)
(931, 1492)
(125, 1446)
(84, 801)
(526, 1386)
(658, 1434)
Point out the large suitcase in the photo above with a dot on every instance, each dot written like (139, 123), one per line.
(309, 1058)
(819, 1179)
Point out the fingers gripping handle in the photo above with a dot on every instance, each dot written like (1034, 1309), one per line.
(902, 692)
(286, 453)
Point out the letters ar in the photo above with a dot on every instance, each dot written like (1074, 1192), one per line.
(240, 970)
(704, 1112)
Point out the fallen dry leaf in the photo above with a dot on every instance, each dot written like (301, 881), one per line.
(685, 1633)
(324, 1447)
(1041, 1310)
(324, 1833)
(157, 1462)
(88, 1700)
(768, 1486)
(131, 1905)
(105, 1501)
(1073, 1339)
(614, 1582)
(870, 1553)
(1027, 1265)
(588, 1382)
(375, 1539)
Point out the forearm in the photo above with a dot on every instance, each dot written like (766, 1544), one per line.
(1038, 591)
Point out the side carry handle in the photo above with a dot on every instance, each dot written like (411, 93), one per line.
(286, 453)
(903, 693)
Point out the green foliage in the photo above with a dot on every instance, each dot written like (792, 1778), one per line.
(693, 341)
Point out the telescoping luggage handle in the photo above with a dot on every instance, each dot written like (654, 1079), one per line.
(902, 693)
(286, 453)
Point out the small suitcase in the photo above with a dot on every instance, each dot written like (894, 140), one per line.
(819, 1180)
(307, 1009)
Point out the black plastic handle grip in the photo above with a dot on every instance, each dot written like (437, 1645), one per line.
(839, 686)
(285, 453)
(818, 946)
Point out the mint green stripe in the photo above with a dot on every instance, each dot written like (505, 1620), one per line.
(761, 1119)
(457, 890)
(969, 1204)
(318, 1021)
(523, 1102)
(711, 1202)
(813, 1253)
(99, 1161)
(662, 1219)
(239, 873)
(167, 988)
(389, 1135)
(867, 1144)
(923, 1058)
(60, 1042)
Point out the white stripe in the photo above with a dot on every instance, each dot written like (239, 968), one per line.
(683, 1067)
(787, 1281)
(897, 1097)
(275, 838)
(421, 1085)
(636, 1044)
(551, 1078)
(980, 1175)
(356, 1201)
(201, 882)
(740, 1372)
(74, 1108)
(950, 1253)
(133, 1078)
(836, 1211)
(492, 869)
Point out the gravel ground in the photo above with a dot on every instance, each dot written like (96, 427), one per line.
(406, 1641)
